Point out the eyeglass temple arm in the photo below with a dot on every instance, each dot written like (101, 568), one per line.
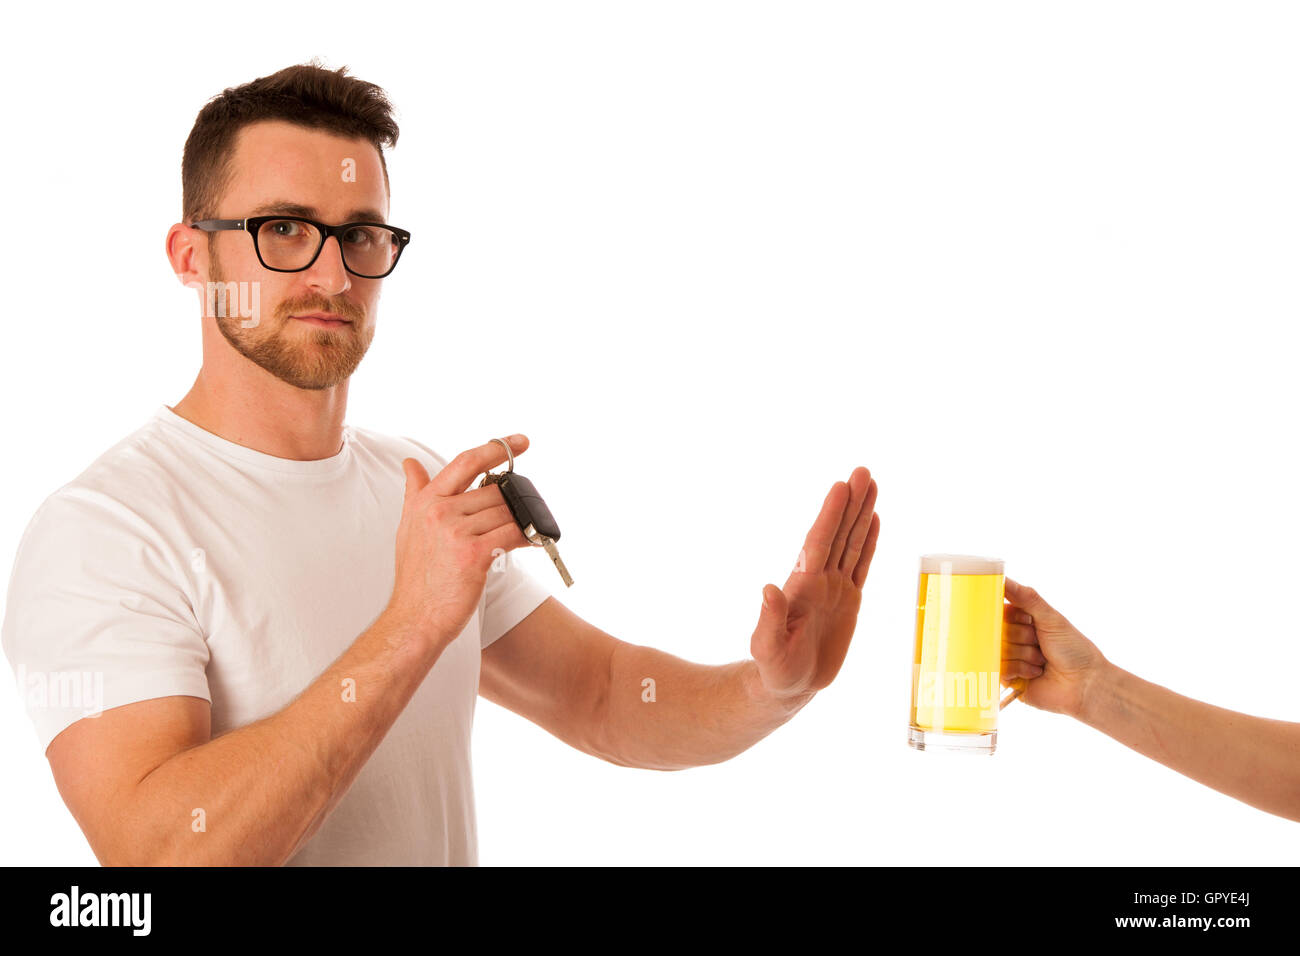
(213, 225)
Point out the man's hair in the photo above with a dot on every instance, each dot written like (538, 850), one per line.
(306, 95)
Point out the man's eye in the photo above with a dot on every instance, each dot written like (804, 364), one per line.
(285, 229)
(360, 236)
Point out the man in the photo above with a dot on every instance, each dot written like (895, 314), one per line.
(284, 643)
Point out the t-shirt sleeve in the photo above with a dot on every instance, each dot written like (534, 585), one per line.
(95, 616)
(510, 593)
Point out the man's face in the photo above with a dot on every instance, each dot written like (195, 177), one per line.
(277, 167)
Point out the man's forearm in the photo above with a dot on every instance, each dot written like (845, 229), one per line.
(692, 714)
(1253, 759)
(266, 787)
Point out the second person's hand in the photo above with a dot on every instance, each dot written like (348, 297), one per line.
(1045, 655)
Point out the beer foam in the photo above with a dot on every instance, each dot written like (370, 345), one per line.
(960, 564)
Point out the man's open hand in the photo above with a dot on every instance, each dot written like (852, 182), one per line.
(804, 629)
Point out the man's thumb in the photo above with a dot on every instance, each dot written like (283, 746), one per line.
(771, 620)
(416, 477)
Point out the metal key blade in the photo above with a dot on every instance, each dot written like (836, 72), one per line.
(554, 552)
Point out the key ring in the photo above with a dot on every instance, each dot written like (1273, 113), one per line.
(511, 455)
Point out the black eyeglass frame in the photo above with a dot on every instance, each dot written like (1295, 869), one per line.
(252, 224)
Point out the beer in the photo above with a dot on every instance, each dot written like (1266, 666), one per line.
(955, 666)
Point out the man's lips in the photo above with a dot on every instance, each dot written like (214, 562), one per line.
(327, 320)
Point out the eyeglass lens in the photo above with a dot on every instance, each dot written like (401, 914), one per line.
(289, 244)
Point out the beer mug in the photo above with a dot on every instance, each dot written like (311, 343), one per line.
(956, 694)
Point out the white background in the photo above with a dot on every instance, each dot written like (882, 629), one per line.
(1033, 264)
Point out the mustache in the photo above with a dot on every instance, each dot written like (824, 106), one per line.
(343, 307)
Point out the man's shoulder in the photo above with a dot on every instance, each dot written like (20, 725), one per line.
(396, 447)
(135, 472)
(136, 462)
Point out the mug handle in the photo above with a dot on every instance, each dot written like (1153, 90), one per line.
(1017, 688)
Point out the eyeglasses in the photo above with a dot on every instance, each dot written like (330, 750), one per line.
(291, 244)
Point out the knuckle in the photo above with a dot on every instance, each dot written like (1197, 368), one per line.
(480, 551)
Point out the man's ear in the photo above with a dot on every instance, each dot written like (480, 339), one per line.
(186, 250)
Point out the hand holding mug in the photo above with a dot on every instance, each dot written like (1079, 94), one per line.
(1045, 655)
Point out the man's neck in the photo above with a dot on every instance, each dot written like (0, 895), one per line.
(285, 422)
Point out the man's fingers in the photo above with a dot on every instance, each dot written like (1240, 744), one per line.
(817, 545)
(507, 537)
(859, 485)
(472, 502)
(489, 519)
(468, 465)
(868, 549)
(858, 534)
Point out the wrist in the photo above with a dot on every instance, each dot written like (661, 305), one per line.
(413, 630)
(1097, 693)
(759, 695)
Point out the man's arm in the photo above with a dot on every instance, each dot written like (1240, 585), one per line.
(698, 715)
(640, 707)
(586, 688)
(134, 775)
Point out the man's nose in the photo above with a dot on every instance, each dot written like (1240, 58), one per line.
(327, 273)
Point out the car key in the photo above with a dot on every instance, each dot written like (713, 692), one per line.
(529, 511)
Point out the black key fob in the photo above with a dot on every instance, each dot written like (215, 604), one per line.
(526, 504)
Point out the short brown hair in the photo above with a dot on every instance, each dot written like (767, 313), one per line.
(306, 95)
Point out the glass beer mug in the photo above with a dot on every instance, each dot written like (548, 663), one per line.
(956, 694)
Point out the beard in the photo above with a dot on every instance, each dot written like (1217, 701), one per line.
(310, 357)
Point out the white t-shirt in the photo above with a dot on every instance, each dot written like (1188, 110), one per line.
(180, 563)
